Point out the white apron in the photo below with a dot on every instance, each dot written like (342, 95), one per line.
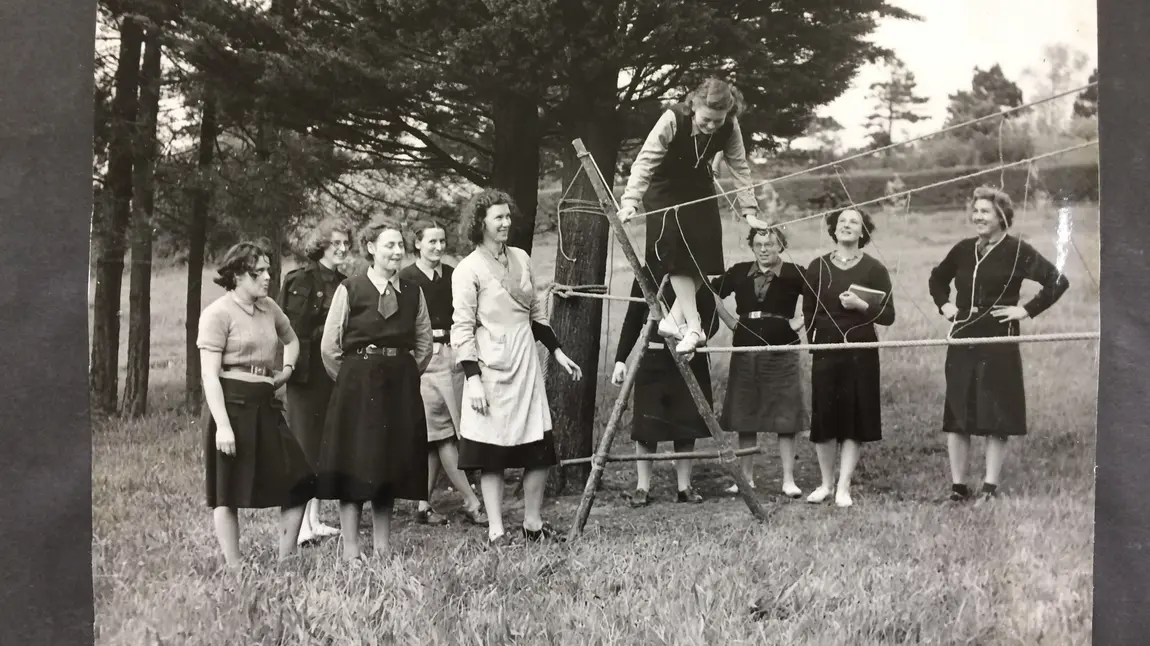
(493, 310)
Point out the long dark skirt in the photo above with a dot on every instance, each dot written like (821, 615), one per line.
(307, 408)
(269, 469)
(845, 396)
(764, 394)
(481, 456)
(375, 440)
(687, 240)
(985, 393)
(663, 410)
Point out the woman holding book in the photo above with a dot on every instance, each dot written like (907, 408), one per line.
(663, 410)
(985, 395)
(764, 389)
(846, 295)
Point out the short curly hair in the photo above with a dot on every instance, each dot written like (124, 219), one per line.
(421, 226)
(1001, 202)
(318, 239)
(774, 231)
(868, 224)
(371, 232)
(240, 259)
(475, 212)
(717, 94)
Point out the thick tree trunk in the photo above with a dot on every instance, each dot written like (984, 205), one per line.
(140, 281)
(515, 167)
(110, 225)
(197, 241)
(591, 116)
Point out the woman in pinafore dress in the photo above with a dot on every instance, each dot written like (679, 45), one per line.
(442, 383)
(764, 389)
(251, 458)
(985, 394)
(674, 167)
(846, 402)
(497, 317)
(376, 344)
(306, 297)
(663, 410)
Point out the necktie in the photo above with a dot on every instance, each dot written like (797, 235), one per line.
(388, 304)
(980, 247)
(762, 282)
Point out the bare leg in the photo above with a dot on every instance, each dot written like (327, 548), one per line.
(995, 456)
(491, 484)
(747, 462)
(381, 524)
(787, 456)
(683, 467)
(449, 458)
(827, 452)
(432, 476)
(349, 528)
(958, 449)
(291, 518)
(227, 523)
(643, 467)
(534, 481)
(850, 458)
(685, 288)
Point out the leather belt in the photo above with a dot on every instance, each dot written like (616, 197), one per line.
(259, 371)
(377, 351)
(439, 335)
(754, 316)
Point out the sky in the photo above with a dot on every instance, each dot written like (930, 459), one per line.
(955, 36)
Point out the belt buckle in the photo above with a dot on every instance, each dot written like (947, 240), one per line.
(754, 316)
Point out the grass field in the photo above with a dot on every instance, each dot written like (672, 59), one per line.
(900, 567)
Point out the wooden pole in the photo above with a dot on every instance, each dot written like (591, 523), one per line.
(656, 457)
(726, 452)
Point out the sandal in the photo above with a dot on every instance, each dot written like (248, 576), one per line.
(545, 532)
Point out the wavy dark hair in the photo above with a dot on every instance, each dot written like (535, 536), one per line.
(370, 233)
(421, 226)
(868, 224)
(317, 240)
(475, 211)
(1001, 202)
(240, 259)
(776, 232)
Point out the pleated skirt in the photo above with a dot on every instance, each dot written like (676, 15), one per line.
(764, 394)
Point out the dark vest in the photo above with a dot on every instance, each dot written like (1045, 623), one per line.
(437, 294)
(681, 165)
(366, 326)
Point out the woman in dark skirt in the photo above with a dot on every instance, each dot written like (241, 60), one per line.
(251, 459)
(674, 167)
(764, 389)
(846, 294)
(985, 394)
(496, 319)
(663, 410)
(306, 298)
(442, 382)
(376, 344)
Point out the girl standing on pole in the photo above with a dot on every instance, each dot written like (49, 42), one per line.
(674, 167)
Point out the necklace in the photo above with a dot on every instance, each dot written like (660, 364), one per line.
(843, 259)
(699, 155)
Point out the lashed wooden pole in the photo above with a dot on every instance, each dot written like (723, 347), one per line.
(726, 451)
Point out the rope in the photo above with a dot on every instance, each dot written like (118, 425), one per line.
(655, 457)
(957, 126)
(910, 343)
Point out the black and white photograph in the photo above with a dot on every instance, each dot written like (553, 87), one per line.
(594, 322)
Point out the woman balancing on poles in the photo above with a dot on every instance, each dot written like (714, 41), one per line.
(376, 344)
(306, 297)
(984, 386)
(674, 167)
(497, 318)
(663, 410)
(442, 382)
(251, 459)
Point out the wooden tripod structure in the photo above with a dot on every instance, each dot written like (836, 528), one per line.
(727, 454)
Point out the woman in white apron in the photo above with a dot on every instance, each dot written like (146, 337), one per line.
(497, 318)
(442, 383)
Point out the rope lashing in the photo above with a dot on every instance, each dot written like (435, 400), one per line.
(590, 291)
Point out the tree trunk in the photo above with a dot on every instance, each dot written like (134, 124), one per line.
(270, 224)
(140, 281)
(515, 167)
(109, 227)
(197, 241)
(591, 116)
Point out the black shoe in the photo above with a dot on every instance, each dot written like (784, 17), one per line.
(959, 492)
(690, 495)
(544, 533)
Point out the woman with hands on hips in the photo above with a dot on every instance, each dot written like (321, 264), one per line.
(252, 460)
(496, 319)
(985, 394)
